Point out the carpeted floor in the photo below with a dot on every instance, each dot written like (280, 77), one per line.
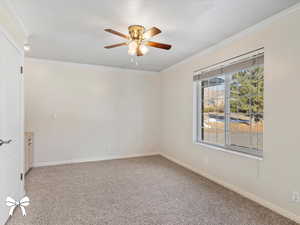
(138, 191)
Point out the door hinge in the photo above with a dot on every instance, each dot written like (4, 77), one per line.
(21, 176)
(21, 69)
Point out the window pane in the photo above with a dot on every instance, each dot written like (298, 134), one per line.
(257, 131)
(239, 127)
(213, 104)
(209, 135)
(220, 140)
(246, 108)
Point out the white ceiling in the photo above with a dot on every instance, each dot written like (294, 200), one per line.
(72, 30)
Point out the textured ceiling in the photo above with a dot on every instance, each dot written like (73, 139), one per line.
(72, 30)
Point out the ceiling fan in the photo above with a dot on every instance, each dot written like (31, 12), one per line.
(138, 39)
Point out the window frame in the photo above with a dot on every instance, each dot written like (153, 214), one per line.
(198, 118)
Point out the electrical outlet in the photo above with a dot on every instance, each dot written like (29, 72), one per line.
(296, 196)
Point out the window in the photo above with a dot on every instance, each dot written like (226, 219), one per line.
(229, 104)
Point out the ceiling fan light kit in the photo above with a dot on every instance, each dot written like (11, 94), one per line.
(132, 48)
(138, 40)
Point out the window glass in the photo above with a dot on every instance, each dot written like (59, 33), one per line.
(230, 109)
(213, 116)
(246, 107)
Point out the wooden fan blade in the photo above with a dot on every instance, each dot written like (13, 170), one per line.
(116, 33)
(158, 45)
(151, 32)
(116, 45)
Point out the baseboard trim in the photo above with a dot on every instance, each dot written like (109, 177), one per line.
(72, 161)
(236, 189)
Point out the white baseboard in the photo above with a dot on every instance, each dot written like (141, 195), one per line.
(54, 163)
(232, 187)
(236, 189)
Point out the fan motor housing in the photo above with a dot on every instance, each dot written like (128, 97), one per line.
(136, 32)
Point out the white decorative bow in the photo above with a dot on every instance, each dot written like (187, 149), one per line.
(13, 204)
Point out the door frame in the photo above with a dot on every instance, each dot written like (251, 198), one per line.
(20, 50)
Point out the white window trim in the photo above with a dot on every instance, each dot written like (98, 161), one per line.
(217, 148)
(196, 121)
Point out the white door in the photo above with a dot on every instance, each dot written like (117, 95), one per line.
(10, 125)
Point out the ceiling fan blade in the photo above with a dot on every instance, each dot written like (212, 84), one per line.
(158, 45)
(151, 32)
(117, 33)
(116, 45)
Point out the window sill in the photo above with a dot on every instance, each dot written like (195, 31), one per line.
(229, 151)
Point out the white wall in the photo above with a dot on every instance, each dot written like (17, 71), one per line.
(82, 112)
(272, 180)
(10, 24)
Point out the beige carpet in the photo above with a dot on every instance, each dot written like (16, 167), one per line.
(138, 191)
